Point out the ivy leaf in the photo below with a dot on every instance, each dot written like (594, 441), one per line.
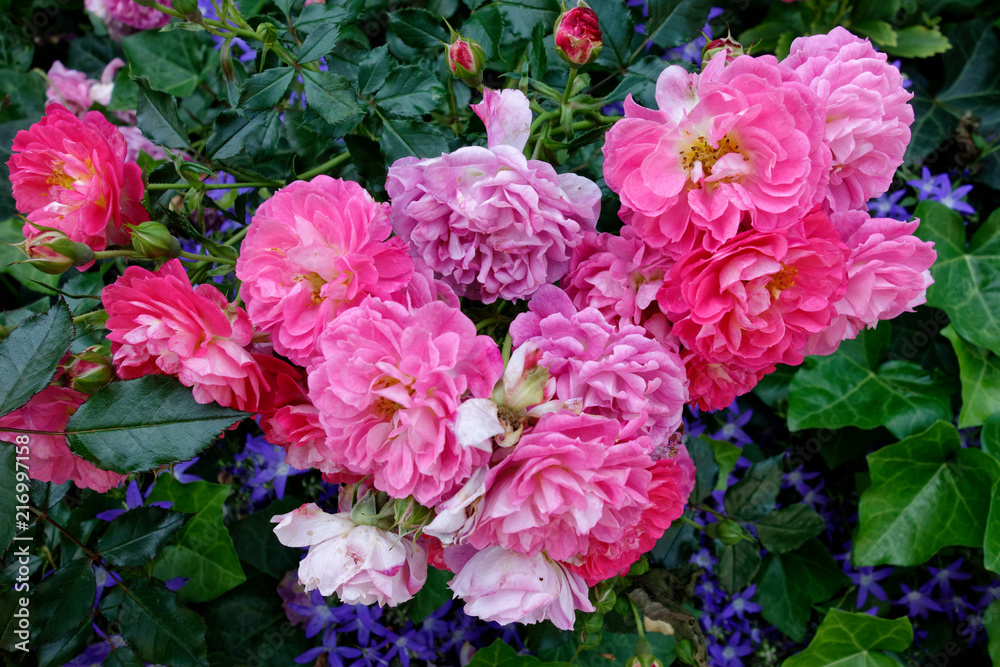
(979, 370)
(676, 546)
(918, 41)
(401, 138)
(203, 550)
(373, 70)
(726, 455)
(499, 654)
(850, 388)
(675, 22)
(409, 91)
(141, 424)
(30, 354)
(789, 528)
(267, 89)
(430, 598)
(738, 565)
(991, 620)
(159, 629)
(847, 640)
(990, 436)
(135, 537)
(64, 600)
(172, 63)
(157, 116)
(926, 492)
(790, 583)
(966, 282)
(331, 96)
(755, 496)
(991, 541)
(522, 15)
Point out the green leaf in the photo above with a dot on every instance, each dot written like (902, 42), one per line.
(991, 540)
(141, 424)
(640, 81)
(790, 583)
(850, 388)
(972, 73)
(991, 620)
(918, 41)
(754, 496)
(233, 132)
(538, 61)
(675, 548)
(706, 470)
(401, 138)
(522, 15)
(256, 544)
(30, 354)
(726, 455)
(320, 42)
(486, 27)
(8, 500)
(171, 62)
(158, 118)
(159, 629)
(430, 598)
(789, 528)
(64, 600)
(417, 28)
(499, 654)
(990, 436)
(966, 281)
(135, 537)
(675, 22)
(373, 70)
(331, 96)
(203, 550)
(267, 89)
(979, 370)
(926, 492)
(879, 32)
(409, 91)
(854, 640)
(738, 565)
(617, 32)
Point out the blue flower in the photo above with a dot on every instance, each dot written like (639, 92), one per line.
(265, 466)
(732, 430)
(740, 604)
(918, 602)
(928, 184)
(866, 579)
(888, 206)
(729, 654)
(942, 578)
(953, 198)
(133, 500)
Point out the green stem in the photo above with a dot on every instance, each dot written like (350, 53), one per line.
(209, 186)
(485, 323)
(569, 87)
(92, 315)
(108, 254)
(237, 237)
(42, 515)
(325, 167)
(206, 258)
(692, 523)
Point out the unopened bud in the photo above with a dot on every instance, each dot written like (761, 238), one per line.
(267, 32)
(411, 515)
(644, 660)
(685, 652)
(88, 371)
(729, 532)
(524, 379)
(366, 512)
(189, 8)
(226, 59)
(726, 44)
(639, 568)
(606, 598)
(578, 35)
(466, 59)
(153, 239)
(54, 253)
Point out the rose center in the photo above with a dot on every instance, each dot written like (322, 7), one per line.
(702, 151)
(782, 280)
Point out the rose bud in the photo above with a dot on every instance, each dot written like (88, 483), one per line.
(88, 371)
(53, 252)
(466, 59)
(153, 239)
(578, 37)
(727, 44)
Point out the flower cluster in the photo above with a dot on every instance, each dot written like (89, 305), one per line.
(743, 196)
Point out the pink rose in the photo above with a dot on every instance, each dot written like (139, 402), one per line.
(715, 385)
(867, 115)
(70, 173)
(618, 372)
(360, 564)
(737, 144)
(754, 301)
(487, 220)
(159, 323)
(387, 386)
(49, 457)
(313, 250)
(888, 274)
(123, 15)
(509, 587)
(568, 478)
(68, 87)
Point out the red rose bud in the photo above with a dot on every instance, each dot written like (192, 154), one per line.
(88, 371)
(154, 240)
(466, 59)
(53, 252)
(727, 44)
(578, 37)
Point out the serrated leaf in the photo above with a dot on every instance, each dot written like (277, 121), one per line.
(640, 81)
(30, 354)
(485, 26)
(675, 22)
(135, 537)
(172, 63)
(738, 565)
(409, 91)
(854, 640)
(918, 41)
(373, 70)
(403, 137)
(926, 493)
(233, 130)
(790, 583)
(61, 651)
(417, 28)
(538, 54)
(706, 470)
(522, 15)
(330, 95)
(789, 528)
(267, 89)
(159, 629)
(8, 501)
(64, 600)
(320, 42)
(754, 496)
(617, 31)
(158, 119)
(979, 371)
(851, 388)
(879, 32)
(141, 424)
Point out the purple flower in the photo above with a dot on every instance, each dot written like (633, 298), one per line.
(918, 602)
(740, 604)
(133, 500)
(704, 559)
(942, 578)
(796, 479)
(335, 654)
(866, 579)
(956, 607)
(928, 184)
(888, 206)
(179, 471)
(953, 198)
(265, 465)
(990, 593)
(729, 654)
(814, 498)
(407, 643)
(732, 430)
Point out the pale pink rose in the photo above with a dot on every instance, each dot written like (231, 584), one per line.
(100, 91)
(490, 222)
(159, 324)
(388, 385)
(125, 16)
(49, 457)
(70, 173)
(313, 250)
(618, 275)
(888, 274)
(754, 301)
(568, 478)
(360, 564)
(507, 117)
(867, 115)
(137, 143)
(671, 484)
(715, 385)
(508, 587)
(618, 372)
(737, 144)
(68, 87)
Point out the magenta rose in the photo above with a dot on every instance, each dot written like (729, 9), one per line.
(578, 36)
